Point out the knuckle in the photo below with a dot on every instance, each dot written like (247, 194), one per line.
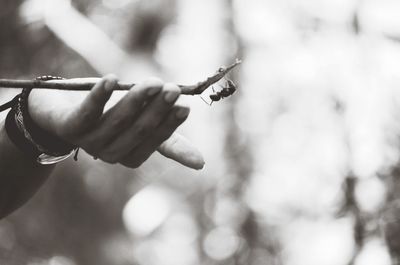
(132, 162)
(171, 123)
(112, 162)
(142, 88)
(167, 129)
(134, 98)
(138, 161)
(91, 147)
(110, 155)
(162, 133)
(172, 142)
(120, 122)
(136, 164)
(143, 131)
(87, 116)
(109, 158)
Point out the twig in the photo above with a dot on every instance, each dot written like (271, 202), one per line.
(87, 85)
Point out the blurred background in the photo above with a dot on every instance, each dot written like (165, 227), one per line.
(301, 163)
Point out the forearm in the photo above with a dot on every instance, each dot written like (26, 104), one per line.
(20, 176)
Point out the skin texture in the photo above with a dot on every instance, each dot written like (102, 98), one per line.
(128, 131)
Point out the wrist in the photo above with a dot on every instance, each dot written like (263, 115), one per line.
(40, 115)
(11, 150)
(34, 141)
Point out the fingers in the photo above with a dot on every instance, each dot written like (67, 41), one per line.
(124, 112)
(140, 123)
(143, 151)
(144, 126)
(91, 109)
(181, 150)
(116, 122)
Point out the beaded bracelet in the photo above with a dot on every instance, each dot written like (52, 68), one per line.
(34, 141)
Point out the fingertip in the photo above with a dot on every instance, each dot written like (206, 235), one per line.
(110, 82)
(110, 76)
(153, 82)
(182, 112)
(101, 92)
(197, 162)
(153, 85)
(194, 161)
(201, 166)
(172, 87)
(171, 93)
(181, 150)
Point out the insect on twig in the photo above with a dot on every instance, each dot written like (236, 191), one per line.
(226, 91)
(87, 85)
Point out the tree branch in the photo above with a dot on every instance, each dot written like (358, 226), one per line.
(87, 85)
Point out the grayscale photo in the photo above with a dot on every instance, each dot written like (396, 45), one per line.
(188, 132)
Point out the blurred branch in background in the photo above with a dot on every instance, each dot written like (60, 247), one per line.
(236, 224)
(79, 33)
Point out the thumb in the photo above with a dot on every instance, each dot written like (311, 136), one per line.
(182, 150)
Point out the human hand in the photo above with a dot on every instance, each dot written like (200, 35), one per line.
(142, 121)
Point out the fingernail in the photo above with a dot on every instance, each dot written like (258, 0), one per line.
(153, 90)
(182, 113)
(110, 84)
(171, 96)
